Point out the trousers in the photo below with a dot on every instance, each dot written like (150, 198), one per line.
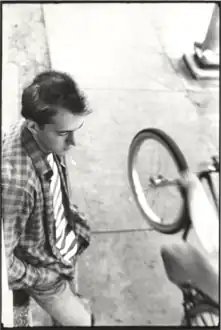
(62, 303)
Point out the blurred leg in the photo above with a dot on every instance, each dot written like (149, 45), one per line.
(62, 304)
(86, 302)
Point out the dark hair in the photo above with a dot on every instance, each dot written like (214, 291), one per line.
(50, 91)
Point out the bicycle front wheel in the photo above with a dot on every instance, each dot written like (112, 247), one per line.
(155, 163)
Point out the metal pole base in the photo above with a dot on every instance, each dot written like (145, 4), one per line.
(206, 73)
(206, 59)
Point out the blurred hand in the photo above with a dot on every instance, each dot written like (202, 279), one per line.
(189, 180)
(46, 279)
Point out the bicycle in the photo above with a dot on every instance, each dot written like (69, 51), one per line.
(185, 266)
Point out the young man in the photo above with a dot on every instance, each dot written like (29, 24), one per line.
(44, 233)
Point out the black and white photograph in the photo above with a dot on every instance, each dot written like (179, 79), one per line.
(110, 163)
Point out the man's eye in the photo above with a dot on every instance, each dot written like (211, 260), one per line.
(62, 133)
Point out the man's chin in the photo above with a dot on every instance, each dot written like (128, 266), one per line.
(62, 152)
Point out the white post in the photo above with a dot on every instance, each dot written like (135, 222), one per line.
(204, 62)
(207, 53)
(7, 296)
(212, 37)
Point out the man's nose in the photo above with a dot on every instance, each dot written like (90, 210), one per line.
(71, 139)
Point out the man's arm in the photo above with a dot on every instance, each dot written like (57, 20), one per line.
(203, 215)
(17, 205)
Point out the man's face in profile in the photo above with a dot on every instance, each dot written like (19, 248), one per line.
(59, 136)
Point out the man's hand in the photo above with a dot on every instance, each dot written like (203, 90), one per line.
(47, 281)
(189, 180)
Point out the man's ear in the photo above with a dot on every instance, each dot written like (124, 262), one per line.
(33, 126)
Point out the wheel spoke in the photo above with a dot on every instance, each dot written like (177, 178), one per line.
(212, 319)
(209, 319)
(203, 319)
(196, 321)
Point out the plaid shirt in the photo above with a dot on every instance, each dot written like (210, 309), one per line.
(27, 212)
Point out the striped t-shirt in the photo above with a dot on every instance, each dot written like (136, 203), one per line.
(66, 240)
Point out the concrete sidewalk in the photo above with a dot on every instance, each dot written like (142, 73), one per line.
(126, 58)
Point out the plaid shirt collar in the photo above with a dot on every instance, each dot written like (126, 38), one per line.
(39, 158)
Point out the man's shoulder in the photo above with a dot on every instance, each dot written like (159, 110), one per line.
(12, 138)
(17, 166)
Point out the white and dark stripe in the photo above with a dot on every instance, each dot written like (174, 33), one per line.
(65, 238)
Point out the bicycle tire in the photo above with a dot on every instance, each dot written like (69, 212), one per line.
(167, 142)
(198, 310)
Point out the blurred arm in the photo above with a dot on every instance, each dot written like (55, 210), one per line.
(204, 217)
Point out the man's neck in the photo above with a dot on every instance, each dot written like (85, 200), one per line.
(41, 146)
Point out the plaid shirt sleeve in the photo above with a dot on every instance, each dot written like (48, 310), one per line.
(17, 205)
